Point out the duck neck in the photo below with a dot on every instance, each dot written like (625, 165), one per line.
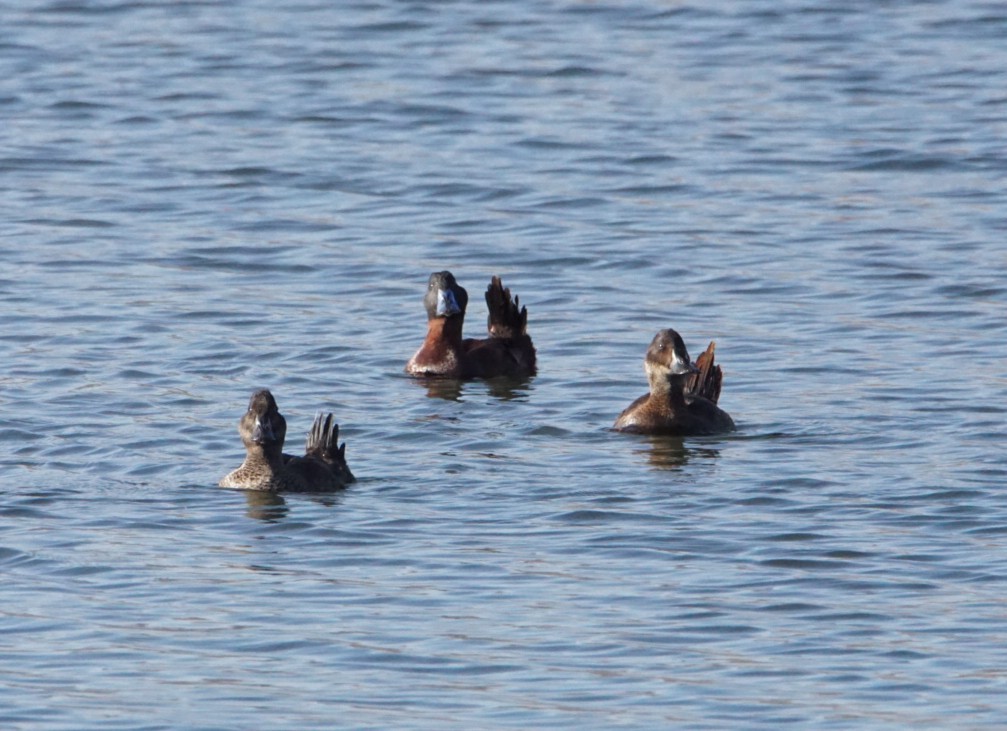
(260, 456)
(446, 330)
(669, 389)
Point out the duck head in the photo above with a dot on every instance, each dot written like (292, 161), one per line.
(445, 297)
(667, 357)
(263, 424)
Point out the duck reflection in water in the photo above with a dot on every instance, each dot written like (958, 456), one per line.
(453, 389)
(667, 452)
(265, 505)
(272, 507)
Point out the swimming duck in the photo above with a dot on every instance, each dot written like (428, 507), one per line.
(508, 351)
(263, 431)
(683, 396)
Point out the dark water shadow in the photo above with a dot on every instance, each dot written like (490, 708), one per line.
(509, 389)
(272, 507)
(266, 506)
(665, 452)
(453, 389)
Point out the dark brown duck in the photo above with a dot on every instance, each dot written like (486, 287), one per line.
(683, 396)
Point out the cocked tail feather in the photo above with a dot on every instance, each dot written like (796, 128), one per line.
(506, 318)
(322, 442)
(707, 380)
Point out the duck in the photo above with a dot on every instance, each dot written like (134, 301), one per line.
(263, 430)
(508, 351)
(683, 395)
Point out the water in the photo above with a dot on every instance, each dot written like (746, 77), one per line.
(203, 198)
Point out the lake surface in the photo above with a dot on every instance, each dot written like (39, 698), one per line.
(201, 198)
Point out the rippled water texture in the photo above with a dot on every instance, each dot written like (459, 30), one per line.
(202, 198)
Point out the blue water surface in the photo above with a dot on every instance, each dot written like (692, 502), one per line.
(202, 198)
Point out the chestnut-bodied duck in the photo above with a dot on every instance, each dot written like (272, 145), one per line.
(683, 396)
(508, 351)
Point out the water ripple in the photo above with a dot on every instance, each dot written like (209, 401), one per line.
(202, 200)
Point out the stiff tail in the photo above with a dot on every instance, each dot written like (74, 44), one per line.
(323, 443)
(506, 319)
(706, 382)
(323, 440)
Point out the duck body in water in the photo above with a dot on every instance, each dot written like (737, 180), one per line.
(683, 396)
(263, 430)
(508, 351)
